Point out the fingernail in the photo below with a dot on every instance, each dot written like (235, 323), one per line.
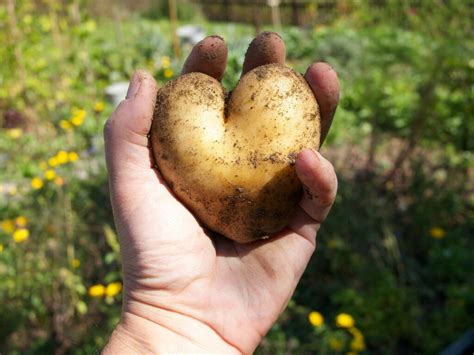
(316, 153)
(216, 36)
(134, 86)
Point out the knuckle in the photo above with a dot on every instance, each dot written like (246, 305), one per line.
(326, 201)
(110, 124)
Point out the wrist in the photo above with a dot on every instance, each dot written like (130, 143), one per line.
(147, 330)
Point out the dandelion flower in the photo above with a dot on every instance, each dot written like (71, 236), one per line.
(62, 157)
(96, 290)
(21, 221)
(75, 263)
(113, 289)
(437, 233)
(168, 73)
(316, 319)
(15, 133)
(73, 156)
(66, 125)
(165, 62)
(99, 106)
(36, 183)
(49, 174)
(344, 320)
(357, 342)
(20, 235)
(78, 117)
(8, 226)
(53, 162)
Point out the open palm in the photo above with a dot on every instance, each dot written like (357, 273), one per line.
(187, 289)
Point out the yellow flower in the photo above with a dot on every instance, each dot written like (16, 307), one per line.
(36, 183)
(165, 62)
(437, 233)
(75, 263)
(21, 221)
(66, 125)
(73, 156)
(113, 289)
(99, 106)
(344, 320)
(78, 117)
(43, 165)
(53, 162)
(316, 319)
(168, 73)
(49, 174)
(62, 157)
(59, 181)
(96, 291)
(335, 343)
(1, 247)
(14, 132)
(8, 226)
(20, 235)
(357, 343)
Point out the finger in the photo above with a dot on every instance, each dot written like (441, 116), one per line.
(208, 56)
(126, 131)
(285, 256)
(266, 48)
(304, 225)
(325, 85)
(319, 184)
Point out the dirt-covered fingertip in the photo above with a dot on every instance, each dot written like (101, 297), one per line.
(266, 48)
(209, 56)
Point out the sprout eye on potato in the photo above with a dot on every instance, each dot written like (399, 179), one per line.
(231, 160)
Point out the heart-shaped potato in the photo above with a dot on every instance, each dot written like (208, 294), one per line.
(231, 160)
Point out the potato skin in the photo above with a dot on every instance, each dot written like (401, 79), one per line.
(230, 161)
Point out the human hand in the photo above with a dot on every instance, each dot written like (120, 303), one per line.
(185, 290)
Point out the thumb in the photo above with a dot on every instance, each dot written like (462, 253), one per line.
(126, 131)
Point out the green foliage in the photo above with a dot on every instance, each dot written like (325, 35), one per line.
(186, 10)
(395, 252)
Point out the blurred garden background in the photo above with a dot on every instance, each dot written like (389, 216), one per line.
(393, 273)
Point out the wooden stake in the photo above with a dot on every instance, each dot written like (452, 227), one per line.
(173, 14)
(275, 7)
(16, 42)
